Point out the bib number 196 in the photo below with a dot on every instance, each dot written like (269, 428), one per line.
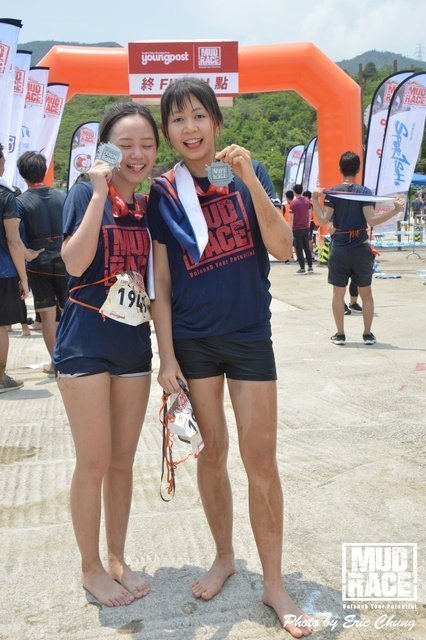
(127, 300)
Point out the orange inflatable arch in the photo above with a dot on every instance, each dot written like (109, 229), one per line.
(300, 67)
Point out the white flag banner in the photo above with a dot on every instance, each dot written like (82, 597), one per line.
(56, 97)
(83, 150)
(403, 136)
(32, 122)
(291, 166)
(402, 143)
(9, 34)
(313, 182)
(22, 67)
(308, 161)
(376, 126)
(300, 168)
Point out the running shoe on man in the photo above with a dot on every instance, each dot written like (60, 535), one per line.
(9, 384)
(355, 307)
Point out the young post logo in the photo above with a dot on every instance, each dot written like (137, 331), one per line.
(379, 571)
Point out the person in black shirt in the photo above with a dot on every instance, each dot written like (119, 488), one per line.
(351, 255)
(13, 276)
(40, 208)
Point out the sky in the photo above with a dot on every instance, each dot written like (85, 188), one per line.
(340, 28)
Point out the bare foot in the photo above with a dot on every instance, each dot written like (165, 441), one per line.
(121, 572)
(105, 588)
(25, 332)
(293, 620)
(212, 582)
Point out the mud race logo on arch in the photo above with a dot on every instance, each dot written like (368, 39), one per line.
(209, 57)
(379, 571)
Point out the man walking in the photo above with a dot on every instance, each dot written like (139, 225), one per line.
(300, 207)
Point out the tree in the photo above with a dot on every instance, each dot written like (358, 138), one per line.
(369, 72)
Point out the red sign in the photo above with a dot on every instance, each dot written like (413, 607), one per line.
(35, 92)
(4, 56)
(87, 136)
(154, 65)
(19, 81)
(389, 91)
(414, 94)
(53, 104)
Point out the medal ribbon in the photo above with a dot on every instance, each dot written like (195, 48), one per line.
(120, 207)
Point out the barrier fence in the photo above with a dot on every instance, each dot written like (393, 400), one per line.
(409, 235)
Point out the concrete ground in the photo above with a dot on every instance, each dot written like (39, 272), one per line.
(351, 430)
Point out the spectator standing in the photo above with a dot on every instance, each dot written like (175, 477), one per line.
(351, 255)
(417, 207)
(288, 217)
(301, 210)
(40, 208)
(312, 226)
(13, 275)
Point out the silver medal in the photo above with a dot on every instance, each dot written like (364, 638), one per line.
(219, 173)
(110, 154)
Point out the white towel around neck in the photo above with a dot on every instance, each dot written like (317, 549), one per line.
(150, 271)
(188, 196)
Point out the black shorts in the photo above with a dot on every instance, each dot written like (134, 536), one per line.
(49, 286)
(80, 367)
(11, 309)
(217, 356)
(355, 263)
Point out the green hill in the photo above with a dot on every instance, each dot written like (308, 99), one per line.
(39, 48)
(381, 59)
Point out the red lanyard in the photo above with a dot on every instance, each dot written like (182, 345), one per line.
(120, 207)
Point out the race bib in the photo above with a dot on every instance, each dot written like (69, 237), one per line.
(127, 300)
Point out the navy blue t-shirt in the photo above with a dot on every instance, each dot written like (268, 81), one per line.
(41, 214)
(8, 210)
(227, 292)
(348, 216)
(123, 245)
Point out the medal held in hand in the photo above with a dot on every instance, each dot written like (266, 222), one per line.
(181, 422)
(110, 154)
(219, 173)
(127, 300)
